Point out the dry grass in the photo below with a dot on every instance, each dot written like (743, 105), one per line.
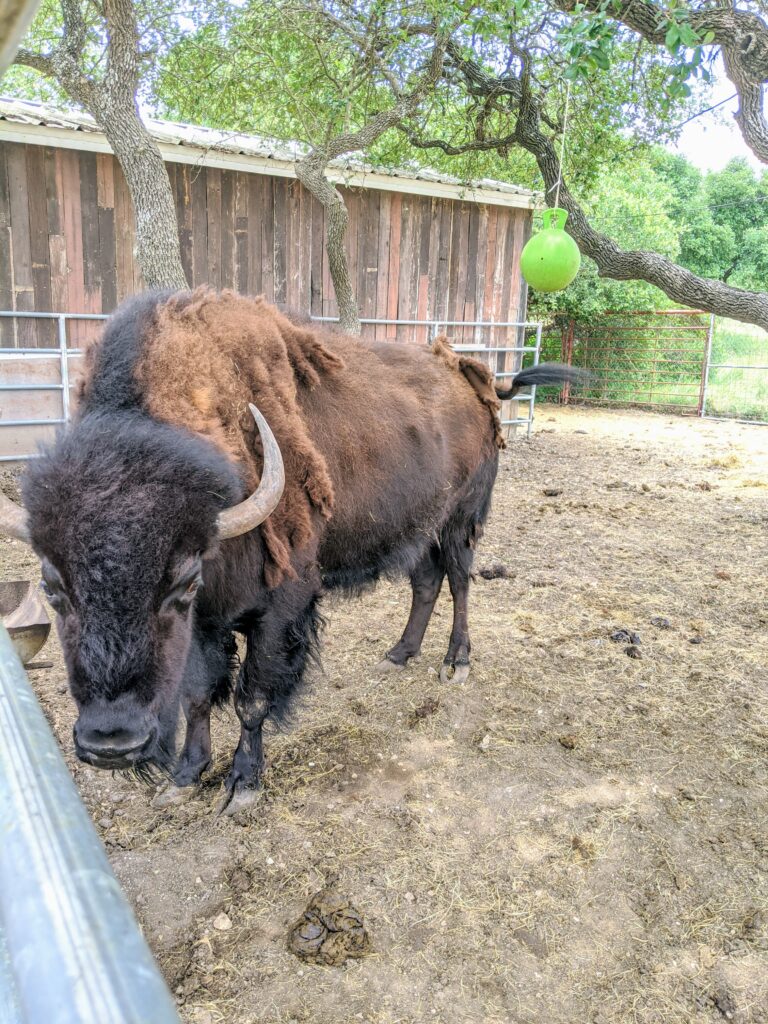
(574, 835)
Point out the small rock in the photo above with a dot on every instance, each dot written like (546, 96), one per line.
(568, 740)
(240, 881)
(696, 640)
(105, 822)
(645, 487)
(723, 574)
(725, 1003)
(633, 652)
(222, 923)
(552, 492)
(581, 431)
(485, 742)
(660, 622)
(755, 922)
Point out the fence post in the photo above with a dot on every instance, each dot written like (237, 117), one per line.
(566, 346)
(702, 410)
(62, 324)
(70, 946)
(532, 403)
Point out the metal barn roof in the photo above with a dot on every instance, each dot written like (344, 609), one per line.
(39, 124)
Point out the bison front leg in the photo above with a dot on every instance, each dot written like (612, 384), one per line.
(207, 681)
(278, 647)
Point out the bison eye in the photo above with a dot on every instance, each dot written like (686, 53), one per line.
(56, 595)
(183, 592)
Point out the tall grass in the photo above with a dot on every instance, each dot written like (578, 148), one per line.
(739, 392)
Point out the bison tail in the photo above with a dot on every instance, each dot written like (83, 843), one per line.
(544, 373)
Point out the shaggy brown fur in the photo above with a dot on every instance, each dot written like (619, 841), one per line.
(244, 351)
(206, 355)
(479, 376)
(390, 452)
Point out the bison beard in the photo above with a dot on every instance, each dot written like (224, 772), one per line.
(390, 456)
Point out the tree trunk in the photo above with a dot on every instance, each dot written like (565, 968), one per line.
(310, 172)
(158, 251)
(111, 102)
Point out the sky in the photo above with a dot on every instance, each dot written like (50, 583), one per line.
(713, 139)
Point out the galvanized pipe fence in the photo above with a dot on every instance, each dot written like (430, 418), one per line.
(71, 951)
(500, 354)
(504, 360)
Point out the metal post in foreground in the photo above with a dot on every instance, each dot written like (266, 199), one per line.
(702, 410)
(70, 948)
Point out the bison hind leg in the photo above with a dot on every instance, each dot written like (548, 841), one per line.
(426, 581)
(458, 540)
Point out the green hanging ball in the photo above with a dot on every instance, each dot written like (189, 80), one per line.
(551, 259)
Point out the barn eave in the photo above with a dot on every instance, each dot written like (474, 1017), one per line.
(38, 125)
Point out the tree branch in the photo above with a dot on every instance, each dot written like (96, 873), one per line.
(15, 18)
(310, 170)
(41, 62)
(742, 37)
(612, 262)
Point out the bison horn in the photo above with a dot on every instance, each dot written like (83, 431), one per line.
(255, 509)
(13, 519)
(232, 521)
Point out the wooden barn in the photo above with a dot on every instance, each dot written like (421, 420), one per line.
(421, 246)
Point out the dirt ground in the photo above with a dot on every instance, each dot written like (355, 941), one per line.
(574, 835)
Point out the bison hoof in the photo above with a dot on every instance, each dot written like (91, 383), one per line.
(239, 801)
(172, 796)
(456, 674)
(386, 666)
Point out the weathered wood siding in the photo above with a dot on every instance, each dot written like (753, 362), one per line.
(67, 233)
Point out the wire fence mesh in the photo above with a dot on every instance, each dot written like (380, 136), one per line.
(737, 379)
(653, 360)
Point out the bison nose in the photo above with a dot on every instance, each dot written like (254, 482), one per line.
(111, 748)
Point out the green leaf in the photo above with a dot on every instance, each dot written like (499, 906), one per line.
(672, 38)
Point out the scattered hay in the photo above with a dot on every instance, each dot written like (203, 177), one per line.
(505, 875)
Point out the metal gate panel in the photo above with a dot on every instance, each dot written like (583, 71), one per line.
(736, 375)
(652, 360)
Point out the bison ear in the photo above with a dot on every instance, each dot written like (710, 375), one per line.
(255, 509)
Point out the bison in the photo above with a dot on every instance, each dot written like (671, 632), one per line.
(168, 516)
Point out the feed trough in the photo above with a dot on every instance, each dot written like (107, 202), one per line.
(24, 616)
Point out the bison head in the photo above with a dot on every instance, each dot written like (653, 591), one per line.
(123, 513)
